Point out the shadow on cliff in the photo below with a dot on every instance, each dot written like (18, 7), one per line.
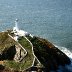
(8, 53)
(49, 55)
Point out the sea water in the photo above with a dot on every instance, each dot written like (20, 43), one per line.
(50, 19)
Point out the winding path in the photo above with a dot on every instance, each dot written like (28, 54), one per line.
(26, 52)
(32, 51)
(21, 47)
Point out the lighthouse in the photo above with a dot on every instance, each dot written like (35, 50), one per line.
(16, 24)
(19, 32)
(15, 29)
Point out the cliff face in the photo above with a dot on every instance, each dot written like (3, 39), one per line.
(8, 53)
(5, 41)
(50, 56)
(7, 47)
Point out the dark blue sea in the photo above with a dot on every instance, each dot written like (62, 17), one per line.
(50, 19)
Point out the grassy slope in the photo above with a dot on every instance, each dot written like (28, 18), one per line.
(48, 54)
(29, 58)
(6, 42)
(40, 50)
(27, 61)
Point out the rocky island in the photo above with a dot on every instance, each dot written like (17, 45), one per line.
(23, 52)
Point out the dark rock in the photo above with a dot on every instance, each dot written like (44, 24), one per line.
(8, 53)
(37, 69)
(60, 57)
(49, 55)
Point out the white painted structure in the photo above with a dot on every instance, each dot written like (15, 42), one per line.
(18, 32)
(15, 29)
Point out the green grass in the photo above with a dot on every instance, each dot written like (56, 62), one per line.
(18, 65)
(27, 61)
(12, 64)
(29, 58)
(40, 49)
(5, 41)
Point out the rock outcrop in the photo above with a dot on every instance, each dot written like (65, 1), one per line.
(49, 55)
(8, 53)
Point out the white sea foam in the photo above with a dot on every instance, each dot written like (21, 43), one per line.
(66, 68)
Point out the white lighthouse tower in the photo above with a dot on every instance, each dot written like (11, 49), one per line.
(16, 24)
(16, 29)
(19, 32)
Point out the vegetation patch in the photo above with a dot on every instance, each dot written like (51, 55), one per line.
(29, 58)
(41, 49)
(5, 41)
